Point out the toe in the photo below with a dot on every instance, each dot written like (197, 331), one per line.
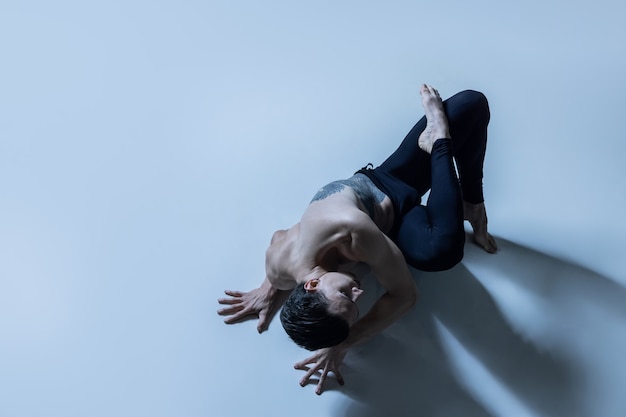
(486, 242)
(492, 243)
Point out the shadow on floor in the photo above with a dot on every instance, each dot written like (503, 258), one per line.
(405, 371)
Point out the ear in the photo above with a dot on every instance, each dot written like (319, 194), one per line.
(311, 285)
(356, 293)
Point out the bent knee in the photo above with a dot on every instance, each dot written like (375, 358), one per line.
(477, 101)
(449, 253)
(442, 254)
(474, 96)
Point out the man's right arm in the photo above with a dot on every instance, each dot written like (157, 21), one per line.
(370, 245)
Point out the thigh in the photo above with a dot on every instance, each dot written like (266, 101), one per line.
(409, 163)
(425, 247)
(470, 117)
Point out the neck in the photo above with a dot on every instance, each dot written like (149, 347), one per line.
(316, 272)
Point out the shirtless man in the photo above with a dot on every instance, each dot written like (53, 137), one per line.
(375, 217)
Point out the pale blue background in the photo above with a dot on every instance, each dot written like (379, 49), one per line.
(148, 150)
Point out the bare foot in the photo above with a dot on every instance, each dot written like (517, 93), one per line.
(436, 120)
(477, 216)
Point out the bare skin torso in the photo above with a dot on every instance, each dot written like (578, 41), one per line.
(347, 221)
(322, 236)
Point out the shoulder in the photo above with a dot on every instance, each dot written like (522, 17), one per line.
(338, 210)
(364, 239)
(277, 236)
(369, 244)
(328, 190)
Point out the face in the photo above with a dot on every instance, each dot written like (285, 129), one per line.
(341, 290)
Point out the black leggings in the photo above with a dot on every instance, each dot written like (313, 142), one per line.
(432, 236)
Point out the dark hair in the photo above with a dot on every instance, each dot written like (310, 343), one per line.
(306, 320)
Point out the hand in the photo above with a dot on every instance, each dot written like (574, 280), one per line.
(327, 360)
(262, 302)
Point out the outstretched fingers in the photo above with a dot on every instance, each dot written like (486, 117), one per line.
(338, 376)
(263, 321)
(261, 303)
(232, 293)
(236, 297)
(321, 364)
(237, 309)
(237, 314)
(229, 300)
(313, 370)
(320, 383)
(302, 365)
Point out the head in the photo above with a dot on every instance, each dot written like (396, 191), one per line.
(319, 313)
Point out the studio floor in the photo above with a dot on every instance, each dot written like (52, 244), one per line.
(148, 151)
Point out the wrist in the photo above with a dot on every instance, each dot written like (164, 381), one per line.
(350, 341)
